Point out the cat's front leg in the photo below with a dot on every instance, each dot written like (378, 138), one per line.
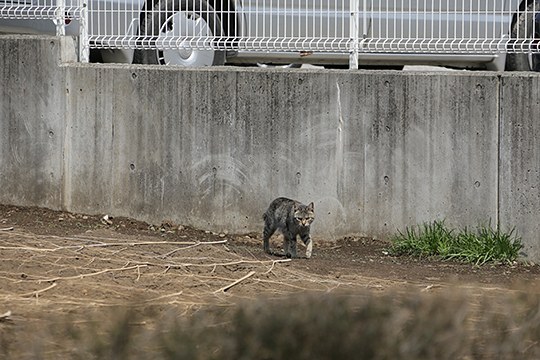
(292, 248)
(309, 245)
(286, 245)
(289, 245)
(309, 248)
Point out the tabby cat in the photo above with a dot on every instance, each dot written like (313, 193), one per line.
(291, 218)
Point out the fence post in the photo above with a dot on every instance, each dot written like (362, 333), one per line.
(354, 29)
(59, 19)
(84, 45)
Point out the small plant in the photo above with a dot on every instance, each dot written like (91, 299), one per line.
(479, 247)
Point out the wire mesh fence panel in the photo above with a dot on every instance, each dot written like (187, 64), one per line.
(41, 16)
(40, 9)
(435, 26)
(295, 25)
(525, 32)
(114, 23)
(372, 26)
(20, 9)
(450, 26)
(275, 25)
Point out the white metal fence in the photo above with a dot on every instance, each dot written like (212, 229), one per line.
(339, 26)
(59, 12)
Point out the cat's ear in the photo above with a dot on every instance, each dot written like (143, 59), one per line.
(311, 206)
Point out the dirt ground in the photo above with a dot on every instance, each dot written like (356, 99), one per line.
(56, 262)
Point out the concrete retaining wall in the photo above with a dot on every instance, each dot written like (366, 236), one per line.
(375, 151)
(519, 167)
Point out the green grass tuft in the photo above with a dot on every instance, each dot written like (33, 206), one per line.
(478, 247)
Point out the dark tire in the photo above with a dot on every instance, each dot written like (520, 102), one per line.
(161, 21)
(95, 56)
(522, 29)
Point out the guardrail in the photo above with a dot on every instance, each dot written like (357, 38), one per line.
(338, 26)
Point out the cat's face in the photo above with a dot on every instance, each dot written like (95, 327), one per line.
(304, 215)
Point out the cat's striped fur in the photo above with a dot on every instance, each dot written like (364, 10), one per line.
(293, 219)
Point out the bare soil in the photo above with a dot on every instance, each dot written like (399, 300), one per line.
(56, 263)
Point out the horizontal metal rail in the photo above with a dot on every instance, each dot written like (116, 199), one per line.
(39, 9)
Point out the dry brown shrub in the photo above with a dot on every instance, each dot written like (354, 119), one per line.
(450, 324)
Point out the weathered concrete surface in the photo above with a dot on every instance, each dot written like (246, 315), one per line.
(375, 151)
(519, 169)
(212, 148)
(430, 144)
(32, 107)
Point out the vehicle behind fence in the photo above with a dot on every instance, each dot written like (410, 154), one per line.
(334, 33)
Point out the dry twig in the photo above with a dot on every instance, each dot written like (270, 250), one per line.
(198, 243)
(274, 262)
(229, 263)
(37, 292)
(91, 274)
(81, 247)
(429, 287)
(5, 316)
(225, 288)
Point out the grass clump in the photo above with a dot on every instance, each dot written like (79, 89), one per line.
(478, 247)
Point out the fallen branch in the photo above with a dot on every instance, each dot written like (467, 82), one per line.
(25, 248)
(138, 273)
(82, 247)
(37, 292)
(225, 288)
(238, 262)
(155, 243)
(5, 316)
(91, 274)
(429, 287)
(274, 262)
(7, 229)
(192, 245)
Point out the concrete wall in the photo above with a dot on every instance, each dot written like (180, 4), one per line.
(375, 151)
(519, 167)
(32, 110)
